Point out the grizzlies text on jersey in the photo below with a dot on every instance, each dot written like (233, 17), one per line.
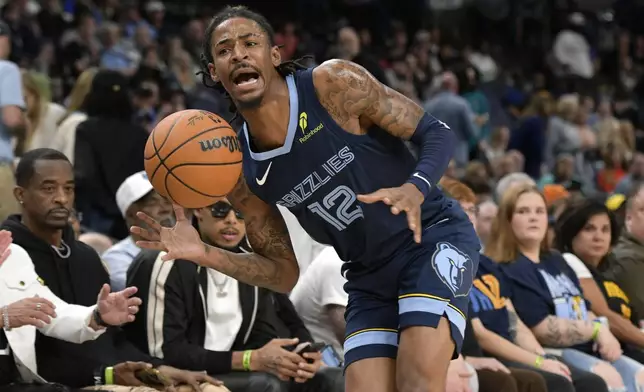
(392, 281)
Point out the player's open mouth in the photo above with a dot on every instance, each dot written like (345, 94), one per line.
(246, 78)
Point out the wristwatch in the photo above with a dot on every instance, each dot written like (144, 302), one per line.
(98, 319)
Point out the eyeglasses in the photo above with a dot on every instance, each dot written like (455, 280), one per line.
(221, 209)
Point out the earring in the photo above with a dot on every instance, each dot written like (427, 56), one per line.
(22, 202)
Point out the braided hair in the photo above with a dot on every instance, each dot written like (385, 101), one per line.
(229, 12)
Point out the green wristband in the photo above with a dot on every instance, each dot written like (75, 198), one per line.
(246, 360)
(109, 376)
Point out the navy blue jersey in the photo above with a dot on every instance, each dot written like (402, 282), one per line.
(487, 297)
(321, 168)
(549, 287)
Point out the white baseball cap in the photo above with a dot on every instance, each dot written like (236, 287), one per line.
(132, 190)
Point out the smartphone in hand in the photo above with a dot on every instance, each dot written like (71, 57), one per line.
(308, 347)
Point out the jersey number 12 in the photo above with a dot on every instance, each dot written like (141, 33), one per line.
(344, 215)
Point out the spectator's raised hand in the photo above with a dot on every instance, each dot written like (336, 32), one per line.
(117, 308)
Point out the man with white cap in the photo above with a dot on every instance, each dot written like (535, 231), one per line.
(135, 194)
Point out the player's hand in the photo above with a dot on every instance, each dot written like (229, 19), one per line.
(405, 198)
(556, 367)
(480, 363)
(179, 242)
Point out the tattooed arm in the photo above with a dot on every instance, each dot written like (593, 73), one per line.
(357, 101)
(273, 264)
(555, 331)
(521, 334)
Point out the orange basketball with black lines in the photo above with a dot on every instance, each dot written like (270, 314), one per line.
(193, 157)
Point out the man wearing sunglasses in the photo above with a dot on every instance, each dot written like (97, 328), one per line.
(135, 194)
(205, 320)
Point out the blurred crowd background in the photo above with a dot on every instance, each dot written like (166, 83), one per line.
(541, 91)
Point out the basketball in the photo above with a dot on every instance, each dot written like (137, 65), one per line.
(193, 158)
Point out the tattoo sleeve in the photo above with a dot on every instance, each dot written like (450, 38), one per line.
(558, 332)
(356, 100)
(273, 264)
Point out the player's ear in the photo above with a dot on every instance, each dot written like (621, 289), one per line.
(198, 212)
(213, 72)
(276, 56)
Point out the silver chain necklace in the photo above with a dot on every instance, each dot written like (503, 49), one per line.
(221, 287)
(64, 251)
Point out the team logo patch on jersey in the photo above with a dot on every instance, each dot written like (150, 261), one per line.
(454, 268)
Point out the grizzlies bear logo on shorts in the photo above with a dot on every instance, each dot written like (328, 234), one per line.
(454, 268)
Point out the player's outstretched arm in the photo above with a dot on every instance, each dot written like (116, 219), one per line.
(273, 264)
(357, 101)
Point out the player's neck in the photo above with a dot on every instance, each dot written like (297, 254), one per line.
(268, 123)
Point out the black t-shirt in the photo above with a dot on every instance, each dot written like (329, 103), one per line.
(7, 364)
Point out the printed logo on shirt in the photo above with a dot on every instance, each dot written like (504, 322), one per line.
(486, 294)
(566, 297)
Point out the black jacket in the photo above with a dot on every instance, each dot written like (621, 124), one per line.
(174, 294)
(76, 279)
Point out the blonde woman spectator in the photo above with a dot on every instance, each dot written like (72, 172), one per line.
(66, 136)
(42, 114)
(547, 295)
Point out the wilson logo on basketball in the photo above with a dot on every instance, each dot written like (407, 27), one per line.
(229, 142)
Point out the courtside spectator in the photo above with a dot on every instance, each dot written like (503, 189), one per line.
(135, 194)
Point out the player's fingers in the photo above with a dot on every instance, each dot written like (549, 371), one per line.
(413, 220)
(154, 245)
(379, 195)
(179, 212)
(145, 234)
(149, 221)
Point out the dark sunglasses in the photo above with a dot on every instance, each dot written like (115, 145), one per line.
(221, 209)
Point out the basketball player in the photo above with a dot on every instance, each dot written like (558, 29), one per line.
(327, 143)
